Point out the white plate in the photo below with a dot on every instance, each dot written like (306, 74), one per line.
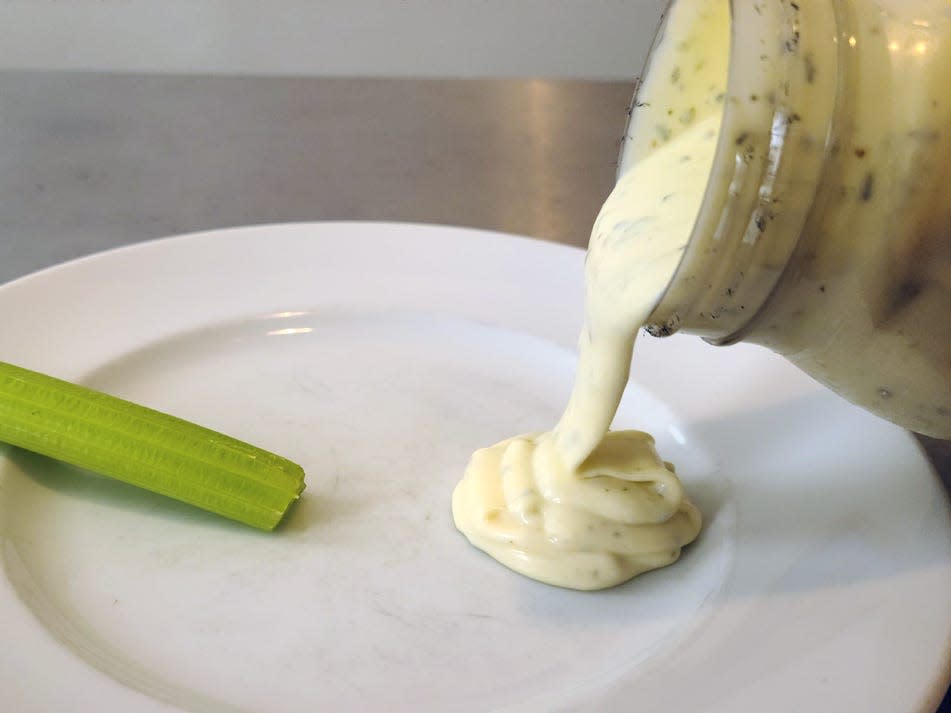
(379, 356)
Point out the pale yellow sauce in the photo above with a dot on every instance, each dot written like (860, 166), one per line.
(635, 246)
(579, 506)
(583, 508)
(622, 513)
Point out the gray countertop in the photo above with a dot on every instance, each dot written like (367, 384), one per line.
(94, 161)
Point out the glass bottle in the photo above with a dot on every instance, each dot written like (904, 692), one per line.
(824, 232)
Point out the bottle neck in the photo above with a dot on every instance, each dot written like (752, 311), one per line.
(783, 89)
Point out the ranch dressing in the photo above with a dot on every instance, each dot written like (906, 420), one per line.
(579, 506)
(791, 189)
(825, 230)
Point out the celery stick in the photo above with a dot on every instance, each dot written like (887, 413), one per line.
(147, 448)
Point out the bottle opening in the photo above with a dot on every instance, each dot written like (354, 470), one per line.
(751, 70)
(669, 148)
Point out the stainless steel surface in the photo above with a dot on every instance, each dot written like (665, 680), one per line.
(94, 161)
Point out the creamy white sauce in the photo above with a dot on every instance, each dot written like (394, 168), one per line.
(580, 507)
(635, 246)
(583, 508)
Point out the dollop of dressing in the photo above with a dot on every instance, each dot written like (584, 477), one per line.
(579, 506)
(622, 512)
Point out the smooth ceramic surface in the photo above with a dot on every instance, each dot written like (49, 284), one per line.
(379, 356)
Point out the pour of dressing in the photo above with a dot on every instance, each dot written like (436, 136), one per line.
(580, 507)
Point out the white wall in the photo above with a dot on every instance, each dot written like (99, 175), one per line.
(586, 39)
